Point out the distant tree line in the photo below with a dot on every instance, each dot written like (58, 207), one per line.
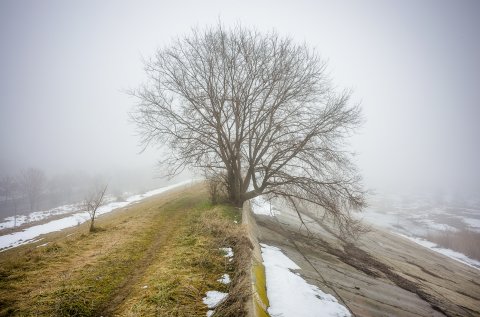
(26, 187)
(31, 190)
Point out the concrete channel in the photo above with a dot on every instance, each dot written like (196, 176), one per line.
(381, 274)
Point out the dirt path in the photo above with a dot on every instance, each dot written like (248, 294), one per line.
(166, 231)
(155, 258)
(72, 272)
(381, 275)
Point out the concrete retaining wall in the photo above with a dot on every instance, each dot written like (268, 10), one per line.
(257, 306)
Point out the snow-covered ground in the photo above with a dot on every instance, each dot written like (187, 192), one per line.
(30, 234)
(447, 252)
(262, 206)
(421, 214)
(472, 223)
(212, 299)
(305, 301)
(413, 218)
(11, 222)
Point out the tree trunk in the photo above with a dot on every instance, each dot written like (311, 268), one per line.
(234, 188)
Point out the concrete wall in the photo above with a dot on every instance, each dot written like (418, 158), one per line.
(257, 306)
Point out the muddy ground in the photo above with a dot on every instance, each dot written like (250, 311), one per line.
(381, 274)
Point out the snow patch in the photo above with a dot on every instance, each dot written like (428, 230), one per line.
(471, 222)
(261, 206)
(430, 224)
(225, 279)
(29, 234)
(306, 300)
(228, 252)
(212, 299)
(460, 257)
(15, 221)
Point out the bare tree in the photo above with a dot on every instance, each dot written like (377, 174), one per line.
(256, 108)
(9, 189)
(215, 184)
(33, 183)
(91, 203)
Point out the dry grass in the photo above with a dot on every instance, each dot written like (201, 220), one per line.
(169, 244)
(464, 241)
(183, 272)
(232, 236)
(74, 276)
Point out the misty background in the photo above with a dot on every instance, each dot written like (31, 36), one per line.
(414, 66)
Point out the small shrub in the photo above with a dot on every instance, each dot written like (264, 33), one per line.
(216, 188)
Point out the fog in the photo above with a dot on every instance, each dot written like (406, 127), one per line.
(413, 65)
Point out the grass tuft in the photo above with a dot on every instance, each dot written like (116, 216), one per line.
(73, 301)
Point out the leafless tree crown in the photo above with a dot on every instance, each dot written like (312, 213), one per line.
(257, 109)
(92, 202)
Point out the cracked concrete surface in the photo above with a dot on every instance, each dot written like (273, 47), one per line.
(381, 275)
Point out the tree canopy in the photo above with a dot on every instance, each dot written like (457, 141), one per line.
(257, 110)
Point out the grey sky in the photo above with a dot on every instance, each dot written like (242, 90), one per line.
(414, 65)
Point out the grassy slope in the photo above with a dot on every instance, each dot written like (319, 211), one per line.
(158, 257)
